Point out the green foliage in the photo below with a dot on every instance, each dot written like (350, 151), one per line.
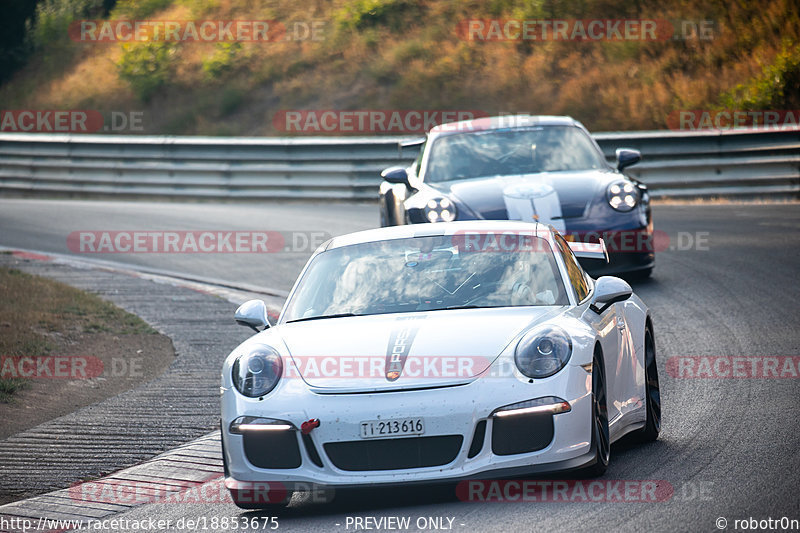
(359, 15)
(778, 86)
(231, 99)
(14, 31)
(36, 305)
(200, 7)
(138, 9)
(412, 49)
(53, 18)
(222, 60)
(147, 66)
(9, 386)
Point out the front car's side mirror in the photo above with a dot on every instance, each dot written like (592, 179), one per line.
(395, 175)
(609, 290)
(627, 157)
(253, 314)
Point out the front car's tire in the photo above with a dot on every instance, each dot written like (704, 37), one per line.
(652, 427)
(600, 434)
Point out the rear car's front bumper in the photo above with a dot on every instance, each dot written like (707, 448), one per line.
(619, 263)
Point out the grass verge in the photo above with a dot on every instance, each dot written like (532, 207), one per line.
(38, 316)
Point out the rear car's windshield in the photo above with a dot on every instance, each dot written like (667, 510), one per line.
(514, 151)
(429, 273)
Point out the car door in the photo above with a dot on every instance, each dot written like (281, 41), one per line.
(626, 396)
(610, 325)
(631, 370)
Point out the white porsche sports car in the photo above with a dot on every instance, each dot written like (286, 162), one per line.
(436, 353)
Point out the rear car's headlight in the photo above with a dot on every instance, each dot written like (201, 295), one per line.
(256, 372)
(440, 210)
(622, 195)
(543, 352)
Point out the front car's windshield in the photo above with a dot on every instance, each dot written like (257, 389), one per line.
(429, 273)
(512, 151)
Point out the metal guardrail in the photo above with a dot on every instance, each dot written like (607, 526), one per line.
(674, 164)
(713, 163)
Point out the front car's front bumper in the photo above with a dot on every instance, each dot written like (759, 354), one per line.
(334, 456)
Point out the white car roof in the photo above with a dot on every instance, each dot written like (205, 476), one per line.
(440, 228)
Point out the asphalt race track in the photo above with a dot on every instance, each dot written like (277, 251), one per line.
(727, 285)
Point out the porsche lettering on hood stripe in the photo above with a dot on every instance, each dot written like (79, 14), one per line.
(400, 341)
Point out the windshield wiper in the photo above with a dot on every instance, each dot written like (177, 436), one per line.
(337, 315)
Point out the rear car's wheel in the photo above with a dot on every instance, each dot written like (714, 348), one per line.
(600, 437)
(652, 390)
(638, 275)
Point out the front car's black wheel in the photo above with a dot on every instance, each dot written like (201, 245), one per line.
(652, 390)
(600, 436)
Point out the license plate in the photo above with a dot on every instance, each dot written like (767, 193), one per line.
(392, 427)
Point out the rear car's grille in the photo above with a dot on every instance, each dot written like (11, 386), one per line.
(394, 454)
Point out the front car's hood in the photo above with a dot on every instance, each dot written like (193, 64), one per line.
(554, 195)
(401, 351)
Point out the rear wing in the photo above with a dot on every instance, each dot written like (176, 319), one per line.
(590, 250)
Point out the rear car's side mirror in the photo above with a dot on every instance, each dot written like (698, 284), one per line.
(609, 290)
(627, 157)
(395, 175)
(253, 314)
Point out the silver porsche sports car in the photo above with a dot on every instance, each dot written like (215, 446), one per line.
(437, 352)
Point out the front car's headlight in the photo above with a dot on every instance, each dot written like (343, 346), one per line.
(622, 195)
(440, 210)
(543, 352)
(256, 372)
